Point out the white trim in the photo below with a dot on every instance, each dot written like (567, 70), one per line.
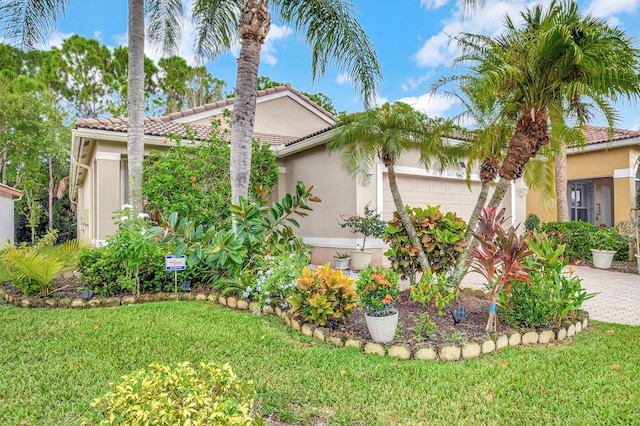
(513, 203)
(103, 155)
(343, 243)
(282, 170)
(623, 173)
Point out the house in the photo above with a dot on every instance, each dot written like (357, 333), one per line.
(7, 197)
(298, 130)
(602, 176)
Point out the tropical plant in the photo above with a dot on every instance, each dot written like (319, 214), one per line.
(377, 290)
(341, 255)
(498, 258)
(369, 224)
(34, 268)
(179, 393)
(323, 295)
(608, 239)
(440, 234)
(532, 223)
(436, 287)
(386, 133)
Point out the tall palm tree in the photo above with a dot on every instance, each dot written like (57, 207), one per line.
(386, 133)
(329, 27)
(556, 59)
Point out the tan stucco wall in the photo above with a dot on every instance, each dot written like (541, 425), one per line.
(587, 165)
(108, 197)
(6, 218)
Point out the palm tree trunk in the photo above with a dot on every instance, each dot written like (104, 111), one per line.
(254, 26)
(3, 165)
(501, 189)
(562, 204)
(406, 220)
(135, 93)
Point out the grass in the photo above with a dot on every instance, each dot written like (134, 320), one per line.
(54, 362)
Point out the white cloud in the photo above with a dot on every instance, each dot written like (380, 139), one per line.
(608, 8)
(413, 83)
(98, 35)
(433, 4)
(55, 40)
(276, 33)
(344, 78)
(434, 105)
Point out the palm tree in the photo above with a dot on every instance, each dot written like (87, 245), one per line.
(558, 59)
(386, 133)
(329, 27)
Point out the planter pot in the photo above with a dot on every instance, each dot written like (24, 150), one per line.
(342, 263)
(360, 259)
(602, 258)
(638, 260)
(382, 329)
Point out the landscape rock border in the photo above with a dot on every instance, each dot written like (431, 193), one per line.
(421, 351)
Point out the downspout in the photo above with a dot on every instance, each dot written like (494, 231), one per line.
(75, 163)
(13, 220)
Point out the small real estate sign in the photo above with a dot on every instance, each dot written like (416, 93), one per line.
(175, 263)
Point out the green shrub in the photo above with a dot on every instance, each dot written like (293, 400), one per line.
(609, 239)
(377, 290)
(441, 234)
(574, 235)
(435, 287)
(532, 223)
(322, 295)
(177, 394)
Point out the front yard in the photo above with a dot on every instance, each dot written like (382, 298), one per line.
(54, 362)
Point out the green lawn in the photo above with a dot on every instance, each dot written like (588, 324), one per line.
(54, 362)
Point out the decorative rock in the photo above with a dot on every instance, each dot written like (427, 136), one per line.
(502, 341)
(530, 338)
(449, 352)
(37, 302)
(201, 297)
(254, 307)
(287, 320)
(222, 300)
(488, 346)
(188, 296)
(335, 340)
(76, 274)
(232, 302)
(64, 303)
(296, 324)
(374, 348)
(158, 297)
(94, 303)
(546, 336)
(128, 300)
(25, 303)
(78, 304)
(585, 323)
(479, 293)
(424, 351)
(67, 275)
(515, 338)
(51, 303)
(212, 298)
(571, 330)
(278, 311)
(16, 301)
(562, 334)
(320, 333)
(268, 310)
(242, 305)
(353, 343)
(578, 326)
(112, 301)
(308, 329)
(145, 298)
(400, 351)
(174, 297)
(471, 350)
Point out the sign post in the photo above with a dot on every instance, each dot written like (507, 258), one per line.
(175, 264)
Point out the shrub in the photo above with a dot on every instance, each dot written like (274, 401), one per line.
(177, 394)
(369, 225)
(532, 223)
(609, 239)
(574, 235)
(322, 295)
(377, 290)
(442, 237)
(435, 287)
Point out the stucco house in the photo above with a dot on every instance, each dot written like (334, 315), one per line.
(298, 130)
(7, 197)
(603, 179)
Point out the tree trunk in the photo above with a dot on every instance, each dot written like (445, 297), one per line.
(531, 134)
(135, 93)
(562, 204)
(404, 217)
(254, 26)
(51, 188)
(3, 165)
(498, 194)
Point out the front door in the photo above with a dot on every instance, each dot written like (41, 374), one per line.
(580, 201)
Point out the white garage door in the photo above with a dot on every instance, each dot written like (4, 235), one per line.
(450, 194)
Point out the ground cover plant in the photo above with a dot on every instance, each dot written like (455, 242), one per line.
(54, 363)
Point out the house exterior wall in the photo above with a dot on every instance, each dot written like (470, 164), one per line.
(6, 218)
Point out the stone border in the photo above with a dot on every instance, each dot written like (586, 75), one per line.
(422, 351)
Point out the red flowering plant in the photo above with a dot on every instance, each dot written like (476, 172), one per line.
(369, 225)
(377, 289)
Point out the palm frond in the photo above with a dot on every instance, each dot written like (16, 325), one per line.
(29, 22)
(216, 24)
(164, 25)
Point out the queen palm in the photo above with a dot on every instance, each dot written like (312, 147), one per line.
(558, 59)
(386, 133)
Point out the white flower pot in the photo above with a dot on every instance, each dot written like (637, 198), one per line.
(360, 259)
(602, 258)
(342, 263)
(382, 329)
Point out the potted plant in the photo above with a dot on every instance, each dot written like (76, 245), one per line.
(369, 225)
(605, 243)
(341, 260)
(377, 290)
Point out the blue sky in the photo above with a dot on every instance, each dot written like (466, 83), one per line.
(411, 39)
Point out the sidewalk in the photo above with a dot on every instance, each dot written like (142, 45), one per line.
(618, 299)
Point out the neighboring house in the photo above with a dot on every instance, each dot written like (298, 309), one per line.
(7, 214)
(298, 129)
(602, 176)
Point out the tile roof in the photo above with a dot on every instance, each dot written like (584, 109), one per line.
(9, 190)
(158, 127)
(597, 135)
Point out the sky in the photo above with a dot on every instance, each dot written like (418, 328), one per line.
(411, 39)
